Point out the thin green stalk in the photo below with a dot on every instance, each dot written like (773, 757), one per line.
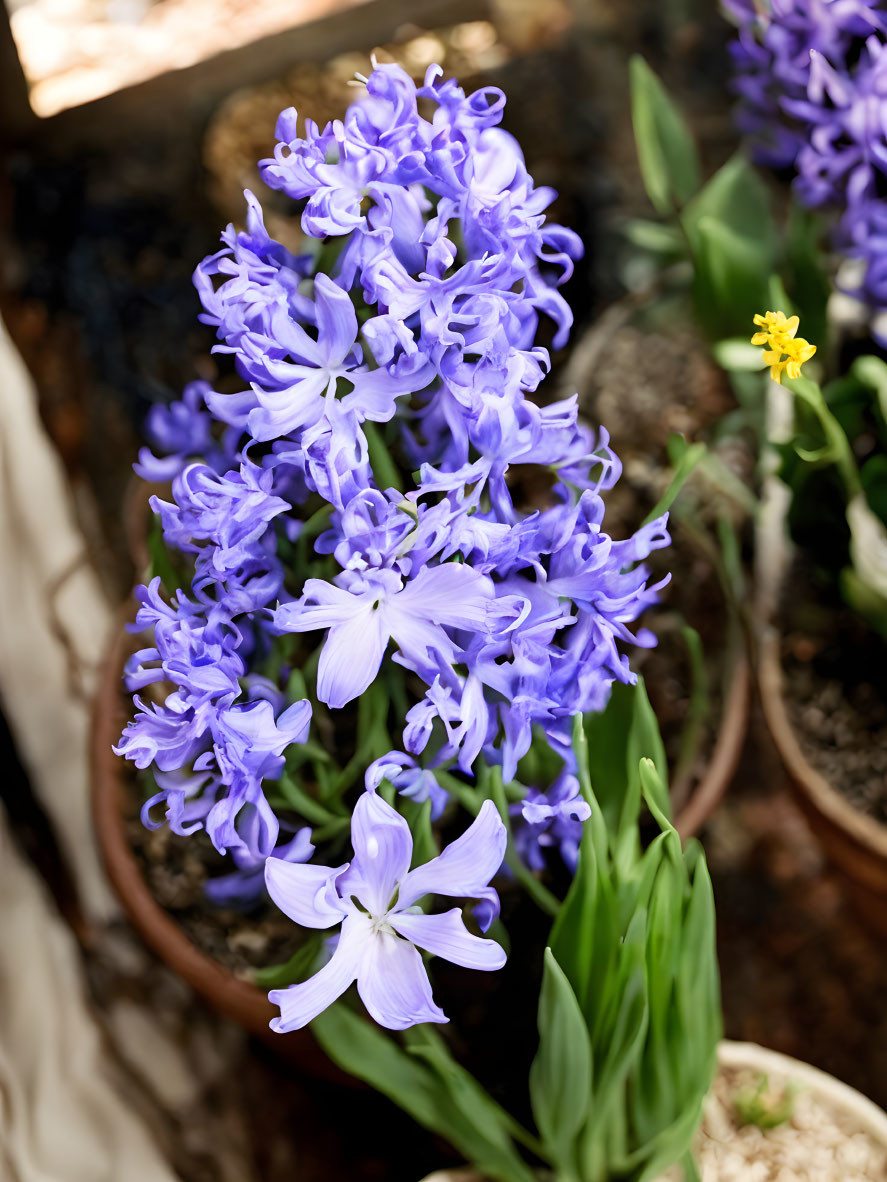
(298, 799)
(330, 829)
(698, 708)
(838, 448)
(384, 469)
(540, 894)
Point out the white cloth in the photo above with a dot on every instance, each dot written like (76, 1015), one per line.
(54, 626)
(62, 1117)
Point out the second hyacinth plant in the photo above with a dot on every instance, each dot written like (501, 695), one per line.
(385, 665)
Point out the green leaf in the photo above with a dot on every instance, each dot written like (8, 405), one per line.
(297, 968)
(480, 1117)
(560, 1077)
(620, 1035)
(433, 1089)
(362, 1050)
(690, 457)
(666, 152)
(657, 238)
(635, 940)
(645, 742)
(381, 461)
(737, 198)
(729, 277)
(738, 353)
(872, 371)
(297, 798)
(618, 737)
(734, 248)
(864, 599)
(873, 475)
(161, 563)
(806, 272)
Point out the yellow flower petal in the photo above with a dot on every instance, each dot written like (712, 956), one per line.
(783, 351)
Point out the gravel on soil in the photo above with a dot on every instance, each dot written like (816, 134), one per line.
(819, 1141)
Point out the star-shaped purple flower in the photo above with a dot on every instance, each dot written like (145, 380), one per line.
(374, 898)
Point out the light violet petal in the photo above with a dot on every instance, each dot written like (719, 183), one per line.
(383, 848)
(307, 894)
(331, 609)
(285, 411)
(418, 639)
(350, 658)
(394, 986)
(465, 867)
(447, 936)
(299, 1004)
(452, 594)
(336, 320)
(295, 721)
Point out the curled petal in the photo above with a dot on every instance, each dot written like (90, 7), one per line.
(336, 320)
(307, 894)
(452, 594)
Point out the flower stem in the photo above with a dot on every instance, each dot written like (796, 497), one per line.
(539, 893)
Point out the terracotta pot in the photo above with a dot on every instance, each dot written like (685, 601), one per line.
(706, 793)
(840, 1099)
(854, 843)
(239, 1000)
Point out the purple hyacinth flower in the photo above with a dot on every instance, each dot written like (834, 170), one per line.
(374, 898)
(554, 819)
(295, 376)
(361, 623)
(410, 780)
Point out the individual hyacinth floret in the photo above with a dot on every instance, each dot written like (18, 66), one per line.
(395, 550)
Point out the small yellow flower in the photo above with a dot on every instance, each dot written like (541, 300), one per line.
(784, 352)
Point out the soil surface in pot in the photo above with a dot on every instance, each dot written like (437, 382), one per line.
(835, 689)
(817, 1140)
(177, 869)
(645, 380)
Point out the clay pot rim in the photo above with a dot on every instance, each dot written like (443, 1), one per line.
(708, 792)
(824, 799)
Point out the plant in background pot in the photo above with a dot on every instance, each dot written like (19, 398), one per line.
(383, 666)
(827, 598)
(804, 76)
(824, 603)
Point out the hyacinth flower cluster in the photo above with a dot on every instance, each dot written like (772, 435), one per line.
(398, 577)
(811, 76)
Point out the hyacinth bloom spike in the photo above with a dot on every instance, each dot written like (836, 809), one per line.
(491, 623)
(382, 931)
